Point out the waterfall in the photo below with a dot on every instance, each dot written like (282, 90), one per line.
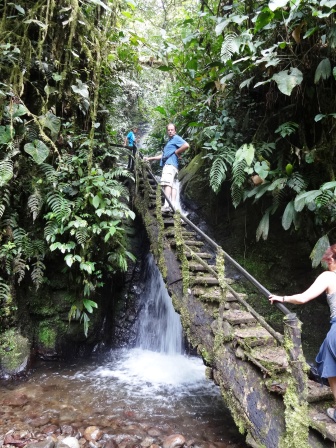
(160, 328)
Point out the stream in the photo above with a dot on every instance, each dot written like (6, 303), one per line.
(140, 396)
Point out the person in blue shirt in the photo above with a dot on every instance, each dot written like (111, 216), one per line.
(130, 141)
(169, 161)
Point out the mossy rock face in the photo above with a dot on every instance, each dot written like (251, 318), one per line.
(14, 353)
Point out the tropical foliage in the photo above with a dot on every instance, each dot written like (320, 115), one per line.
(63, 203)
(253, 91)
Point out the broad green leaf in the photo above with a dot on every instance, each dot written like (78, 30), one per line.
(38, 22)
(89, 305)
(305, 198)
(81, 89)
(20, 9)
(323, 70)
(319, 117)
(96, 202)
(246, 152)
(263, 18)
(165, 68)
(16, 110)
(5, 134)
(38, 150)
(100, 3)
(288, 216)
(263, 227)
(52, 122)
(317, 253)
(288, 79)
(262, 169)
(162, 110)
(275, 4)
(328, 185)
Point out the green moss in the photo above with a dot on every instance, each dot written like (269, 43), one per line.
(47, 336)
(14, 351)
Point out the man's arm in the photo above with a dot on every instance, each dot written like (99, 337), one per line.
(182, 148)
(149, 159)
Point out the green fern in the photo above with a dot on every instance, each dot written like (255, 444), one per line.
(5, 294)
(82, 235)
(49, 172)
(37, 274)
(297, 182)
(217, 173)
(263, 227)
(51, 230)
(19, 268)
(229, 46)
(35, 202)
(6, 172)
(60, 206)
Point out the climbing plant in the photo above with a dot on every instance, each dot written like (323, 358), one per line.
(63, 199)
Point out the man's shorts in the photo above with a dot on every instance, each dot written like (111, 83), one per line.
(169, 173)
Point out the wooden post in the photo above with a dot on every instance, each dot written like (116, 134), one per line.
(295, 398)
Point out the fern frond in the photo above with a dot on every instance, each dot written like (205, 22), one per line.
(5, 294)
(51, 230)
(19, 268)
(82, 235)
(32, 132)
(229, 46)
(60, 206)
(38, 273)
(217, 173)
(237, 194)
(238, 172)
(325, 198)
(49, 172)
(297, 182)
(35, 202)
(118, 172)
(6, 171)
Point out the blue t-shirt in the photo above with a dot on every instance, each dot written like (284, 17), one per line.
(130, 138)
(169, 157)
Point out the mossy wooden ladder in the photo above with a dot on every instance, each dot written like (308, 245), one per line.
(262, 374)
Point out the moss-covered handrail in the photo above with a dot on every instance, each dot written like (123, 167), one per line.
(212, 243)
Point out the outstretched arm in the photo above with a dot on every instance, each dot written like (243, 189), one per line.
(321, 284)
(149, 159)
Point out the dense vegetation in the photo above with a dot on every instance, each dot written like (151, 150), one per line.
(251, 85)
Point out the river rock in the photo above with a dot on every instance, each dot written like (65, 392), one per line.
(92, 433)
(174, 441)
(111, 444)
(47, 443)
(154, 432)
(16, 400)
(148, 441)
(39, 421)
(72, 442)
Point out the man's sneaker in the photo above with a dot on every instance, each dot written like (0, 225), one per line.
(165, 208)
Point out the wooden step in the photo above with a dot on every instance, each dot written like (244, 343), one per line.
(319, 420)
(253, 336)
(203, 255)
(190, 243)
(197, 267)
(238, 317)
(185, 233)
(272, 358)
(203, 280)
(170, 222)
(229, 296)
(211, 294)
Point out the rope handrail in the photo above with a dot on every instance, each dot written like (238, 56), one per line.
(213, 244)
